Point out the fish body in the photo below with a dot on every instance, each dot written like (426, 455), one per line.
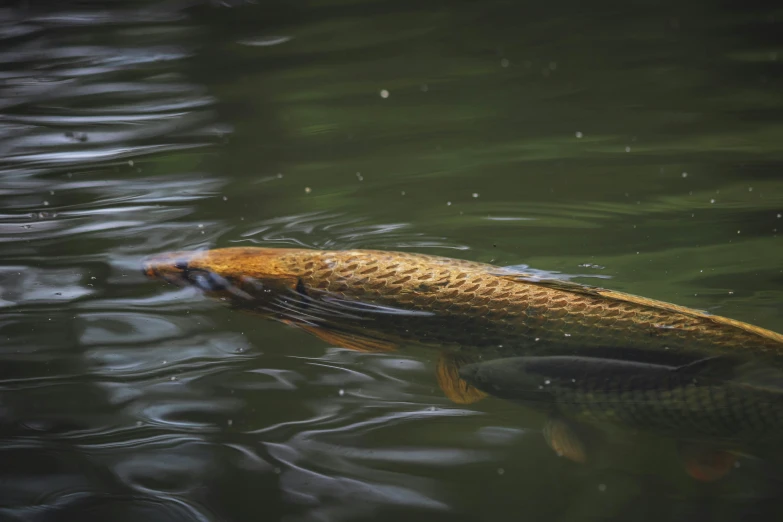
(690, 402)
(378, 300)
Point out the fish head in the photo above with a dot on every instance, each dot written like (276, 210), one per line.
(244, 276)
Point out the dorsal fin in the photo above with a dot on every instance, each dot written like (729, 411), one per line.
(594, 291)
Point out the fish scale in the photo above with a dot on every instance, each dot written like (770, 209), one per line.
(471, 291)
(649, 398)
(471, 307)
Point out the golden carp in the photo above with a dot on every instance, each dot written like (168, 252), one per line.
(377, 300)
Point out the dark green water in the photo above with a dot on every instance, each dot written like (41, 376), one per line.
(637, 142)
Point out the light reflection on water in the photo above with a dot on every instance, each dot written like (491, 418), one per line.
(136, 129)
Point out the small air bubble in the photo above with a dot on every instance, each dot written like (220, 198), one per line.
(359, 176)
(547, 381)
(504, 62)
(601, 487)
(501, 471)
(138, 423)
(230, 422)
(279, 175)
(225, 198)
(684, 174)
(738, 231)
(540, 387)
(173, 378)
(567, 335)
(341, 392)
(750, 189)
(51, 192)
(712, 200)
(130, 163)
(200, 225)
(384, 93)
(538, 338)
(46, 203)
(573, 380)
(308, 190)
(425, 88)
(731, 292)
(448, 203)
(779, 216)
(402, 193)
(579, 134)
(553, 65)
(475, 194)
(627, 149)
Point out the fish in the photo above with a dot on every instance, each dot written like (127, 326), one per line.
(377, 301)
(717, 411)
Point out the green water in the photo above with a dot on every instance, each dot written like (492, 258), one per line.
(637, 145)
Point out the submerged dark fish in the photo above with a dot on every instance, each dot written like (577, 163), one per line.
(733, 407)
(377, 300)
(686, 401)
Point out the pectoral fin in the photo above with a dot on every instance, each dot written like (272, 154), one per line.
(707, 464)
(453, 386)
(346, 340)
(564, 440)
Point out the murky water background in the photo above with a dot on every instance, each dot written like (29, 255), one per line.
(639, 143)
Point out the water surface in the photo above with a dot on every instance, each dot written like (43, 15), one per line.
(637, 146)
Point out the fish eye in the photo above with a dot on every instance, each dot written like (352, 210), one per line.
(181, 265)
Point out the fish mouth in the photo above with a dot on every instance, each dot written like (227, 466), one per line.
(177, 269)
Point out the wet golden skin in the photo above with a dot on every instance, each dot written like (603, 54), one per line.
(456, 304)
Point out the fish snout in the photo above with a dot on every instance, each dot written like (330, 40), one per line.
(179, 269)
(172, 267)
